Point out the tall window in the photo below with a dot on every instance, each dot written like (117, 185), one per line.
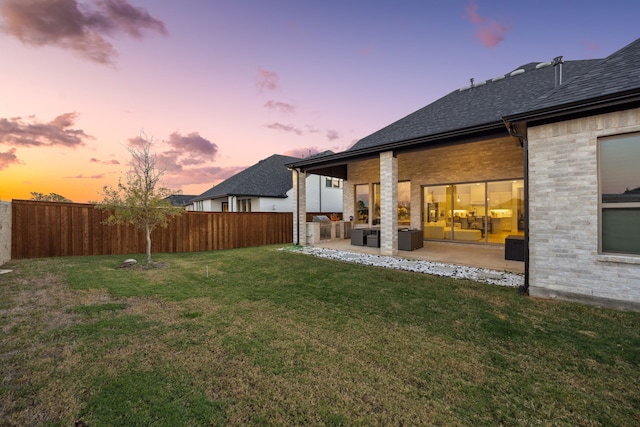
(484, 212)
(619, 160)
(366, 212)
(362, 204)
(244, 205)
(404, 203)
(376, 205)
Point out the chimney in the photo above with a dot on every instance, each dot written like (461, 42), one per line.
(557, 65)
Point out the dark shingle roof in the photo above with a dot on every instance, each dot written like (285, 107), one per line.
(267, 178)
(180, 199)
(618, 73)
(485, 103)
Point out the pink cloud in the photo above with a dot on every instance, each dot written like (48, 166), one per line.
(332, 135)
(489, 32)
(591, 45)
(82, 176)
(9, 158)
(58, 132)
(200, 175)
(186, 159)
(284, 128)
(76, 26)
(283, 107)
(104, 162)
(183, 150)
(266, 80)
(193, 145)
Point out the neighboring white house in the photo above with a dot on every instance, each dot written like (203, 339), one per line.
(267, 186)
(548, 154)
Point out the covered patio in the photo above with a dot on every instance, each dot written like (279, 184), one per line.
(470, 255)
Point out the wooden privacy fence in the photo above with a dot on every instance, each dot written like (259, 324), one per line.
(47, 229)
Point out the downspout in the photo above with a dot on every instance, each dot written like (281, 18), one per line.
(320, 193)
(297, 207)
(524, 289)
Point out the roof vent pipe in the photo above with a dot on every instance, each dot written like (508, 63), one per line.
(557, 65)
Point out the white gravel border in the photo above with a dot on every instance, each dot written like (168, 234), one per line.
(493, 277)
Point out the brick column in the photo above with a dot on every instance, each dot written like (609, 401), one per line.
(299, 207)
(348, 201)
(388, 203)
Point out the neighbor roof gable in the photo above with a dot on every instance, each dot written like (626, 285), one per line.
(267, 178)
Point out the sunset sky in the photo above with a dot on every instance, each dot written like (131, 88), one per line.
(219, 85)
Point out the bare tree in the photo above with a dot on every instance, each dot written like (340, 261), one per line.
(140, 200)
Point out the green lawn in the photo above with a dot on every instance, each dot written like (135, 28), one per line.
(275, 337)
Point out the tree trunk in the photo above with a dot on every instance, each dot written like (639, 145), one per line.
(148, 233)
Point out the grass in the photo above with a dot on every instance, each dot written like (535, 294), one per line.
(271, 337)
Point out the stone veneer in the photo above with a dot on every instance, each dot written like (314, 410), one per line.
(564, 214)
(388, 203)
(299, 207)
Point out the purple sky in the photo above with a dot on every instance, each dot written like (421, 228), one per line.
(220, 85)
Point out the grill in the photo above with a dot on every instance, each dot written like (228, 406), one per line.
(325, 226)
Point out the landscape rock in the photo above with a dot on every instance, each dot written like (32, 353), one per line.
(128, 263)
(501, 278)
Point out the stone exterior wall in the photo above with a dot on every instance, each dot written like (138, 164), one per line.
(299, 206)
(5, 232)
(564, 212)
(495, 159)
(389, 203)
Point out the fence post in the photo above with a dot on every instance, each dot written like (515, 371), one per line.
(5, 232)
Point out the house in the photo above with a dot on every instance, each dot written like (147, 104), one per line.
(546, 153)
(181, 200)
(267, 186)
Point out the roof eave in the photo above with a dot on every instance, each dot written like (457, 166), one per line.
(618, 101)
(370, 152)
(275, 196)
(217, 196)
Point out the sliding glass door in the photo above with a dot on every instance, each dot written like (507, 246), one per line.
(481, 212)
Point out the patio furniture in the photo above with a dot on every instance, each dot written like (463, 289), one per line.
(409, 240)
(359, 236)
(514, 248)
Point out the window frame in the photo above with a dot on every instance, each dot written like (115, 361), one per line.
(612, 205)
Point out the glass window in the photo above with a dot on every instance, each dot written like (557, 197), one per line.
(362, 204)
(363, 213)
(505, 204)
(333, 182)
(468, 218)
(244, 205)
(376, 204)
(483, 212)
(437, 208)
(404, 203)
(619, 158)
